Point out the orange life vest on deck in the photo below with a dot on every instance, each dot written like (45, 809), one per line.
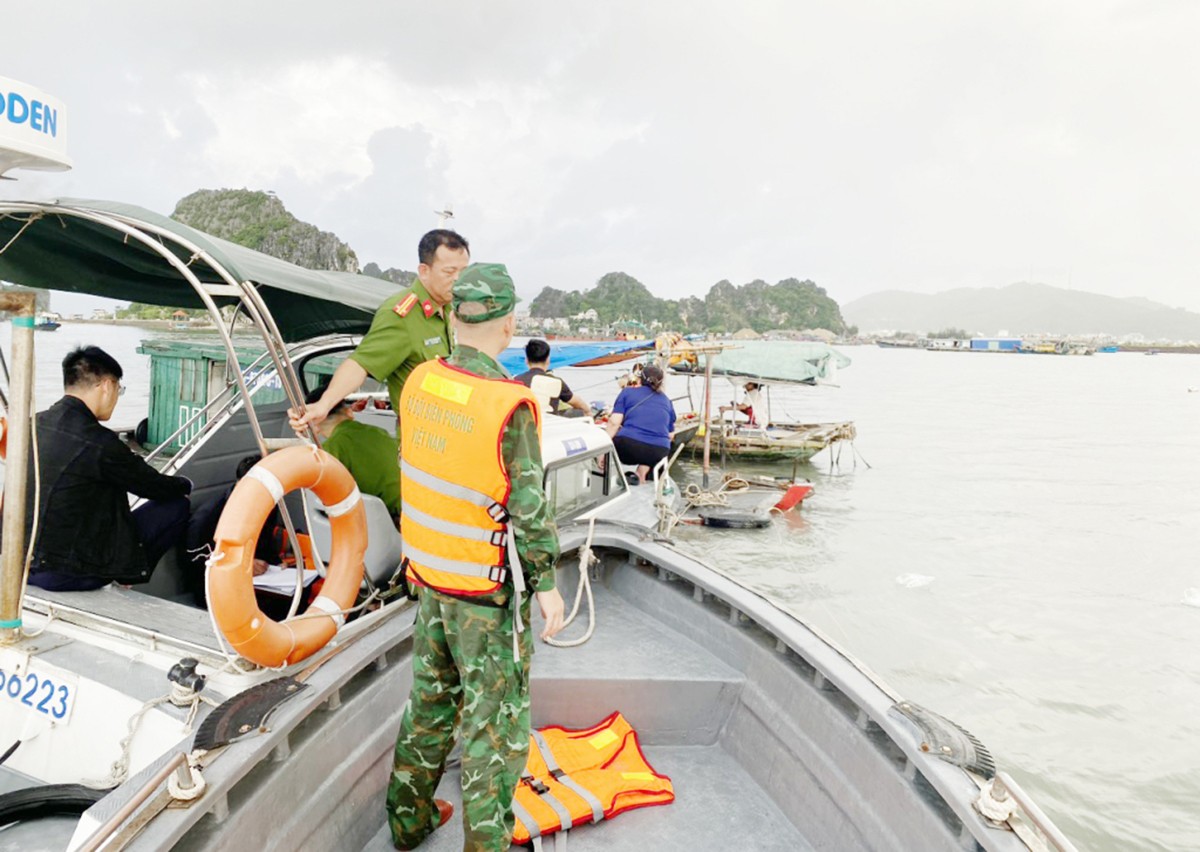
(577, 777)
(453, 483)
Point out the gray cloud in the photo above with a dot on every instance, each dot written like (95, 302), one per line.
(921, 145)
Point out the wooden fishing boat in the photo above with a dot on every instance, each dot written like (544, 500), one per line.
(773, 442)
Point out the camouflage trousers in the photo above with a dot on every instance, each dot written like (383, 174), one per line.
(464, 675)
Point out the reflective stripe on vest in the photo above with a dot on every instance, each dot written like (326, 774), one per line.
(450, 489)
(495, 537)
(593, 774)
(566, 780)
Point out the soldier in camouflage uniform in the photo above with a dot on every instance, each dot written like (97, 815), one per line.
(464, 669)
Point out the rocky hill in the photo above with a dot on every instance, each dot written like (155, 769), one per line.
(1022, 309)
(790, 303)
(258, 220)
(400, 276)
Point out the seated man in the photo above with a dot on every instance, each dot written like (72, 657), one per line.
(202, 530)
(368, 452)
(87, 536)
(537, 358)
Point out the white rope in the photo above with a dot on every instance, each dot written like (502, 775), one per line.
(586, 560)
(118, 773)
(33, 217)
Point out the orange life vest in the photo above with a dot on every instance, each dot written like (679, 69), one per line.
(576, 777)
(453, 483)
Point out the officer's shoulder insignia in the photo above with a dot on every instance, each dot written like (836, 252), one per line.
(427, 307)
(405, 305)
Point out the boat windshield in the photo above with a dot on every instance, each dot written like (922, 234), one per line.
(578, 485)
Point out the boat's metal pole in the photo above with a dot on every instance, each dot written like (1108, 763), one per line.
(100, 835)
(16, 468)
(707, 413)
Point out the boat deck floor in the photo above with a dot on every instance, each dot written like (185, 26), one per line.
(677, 696)
(717, 806)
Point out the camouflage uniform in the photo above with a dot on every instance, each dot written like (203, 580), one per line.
(464, 672)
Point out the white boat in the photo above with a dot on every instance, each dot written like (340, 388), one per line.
(774, 737)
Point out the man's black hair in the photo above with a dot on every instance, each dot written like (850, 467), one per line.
(88, 366)
(246, 463)
(537, 351)
(431, 242)
(315, 394)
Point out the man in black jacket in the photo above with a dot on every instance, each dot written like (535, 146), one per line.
(86, 534)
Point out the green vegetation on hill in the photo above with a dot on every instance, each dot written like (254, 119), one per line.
(258, 220)
(790, 303)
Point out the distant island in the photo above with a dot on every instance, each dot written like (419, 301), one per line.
(1022, 310)
(620, 298)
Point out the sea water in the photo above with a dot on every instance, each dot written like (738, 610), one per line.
(1009, 542)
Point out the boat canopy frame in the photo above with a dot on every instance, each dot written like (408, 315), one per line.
(142, 256)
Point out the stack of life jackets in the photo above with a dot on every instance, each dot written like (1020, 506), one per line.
(576, 777)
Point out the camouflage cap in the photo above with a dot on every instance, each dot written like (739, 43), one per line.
(484, 291)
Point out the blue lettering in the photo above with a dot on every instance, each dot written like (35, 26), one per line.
(35, 115)
(51, 117)
(16, 102)
(1, 103)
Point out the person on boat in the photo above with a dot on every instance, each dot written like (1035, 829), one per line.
(368, 452)
(86, 535)
(633, 378)
(642, 423)
(467, 505)
(753, 399)
(202, 533)
(537, 359)
(410, 328)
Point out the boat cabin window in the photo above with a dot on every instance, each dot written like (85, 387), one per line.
(316, 371)
(578, 485)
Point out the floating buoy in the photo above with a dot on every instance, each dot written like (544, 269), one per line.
(734, 518)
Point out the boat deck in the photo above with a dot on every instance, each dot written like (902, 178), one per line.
(678, 698)
(704, 814)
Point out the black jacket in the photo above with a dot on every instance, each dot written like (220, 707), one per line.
(85, 526)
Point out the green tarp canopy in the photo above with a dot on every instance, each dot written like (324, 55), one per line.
(59, 251)
(803, 362)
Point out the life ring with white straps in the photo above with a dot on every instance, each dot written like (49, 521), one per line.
(230, 575)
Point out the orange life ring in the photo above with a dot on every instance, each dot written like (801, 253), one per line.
(230, 578)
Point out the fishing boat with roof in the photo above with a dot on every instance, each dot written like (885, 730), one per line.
(134, 719)
(747, 427)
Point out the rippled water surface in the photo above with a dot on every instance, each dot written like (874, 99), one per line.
(1016, 556)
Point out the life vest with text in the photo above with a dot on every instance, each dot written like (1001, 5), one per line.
(453, 483)
(576, 777)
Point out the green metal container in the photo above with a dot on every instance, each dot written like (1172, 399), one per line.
(186, 374)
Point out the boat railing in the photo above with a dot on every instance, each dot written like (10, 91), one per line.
(380, 640)
(1003, 788)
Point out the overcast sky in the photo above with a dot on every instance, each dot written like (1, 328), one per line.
(864, 145)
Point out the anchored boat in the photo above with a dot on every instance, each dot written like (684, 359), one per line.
(134, 726)
(746, 429)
